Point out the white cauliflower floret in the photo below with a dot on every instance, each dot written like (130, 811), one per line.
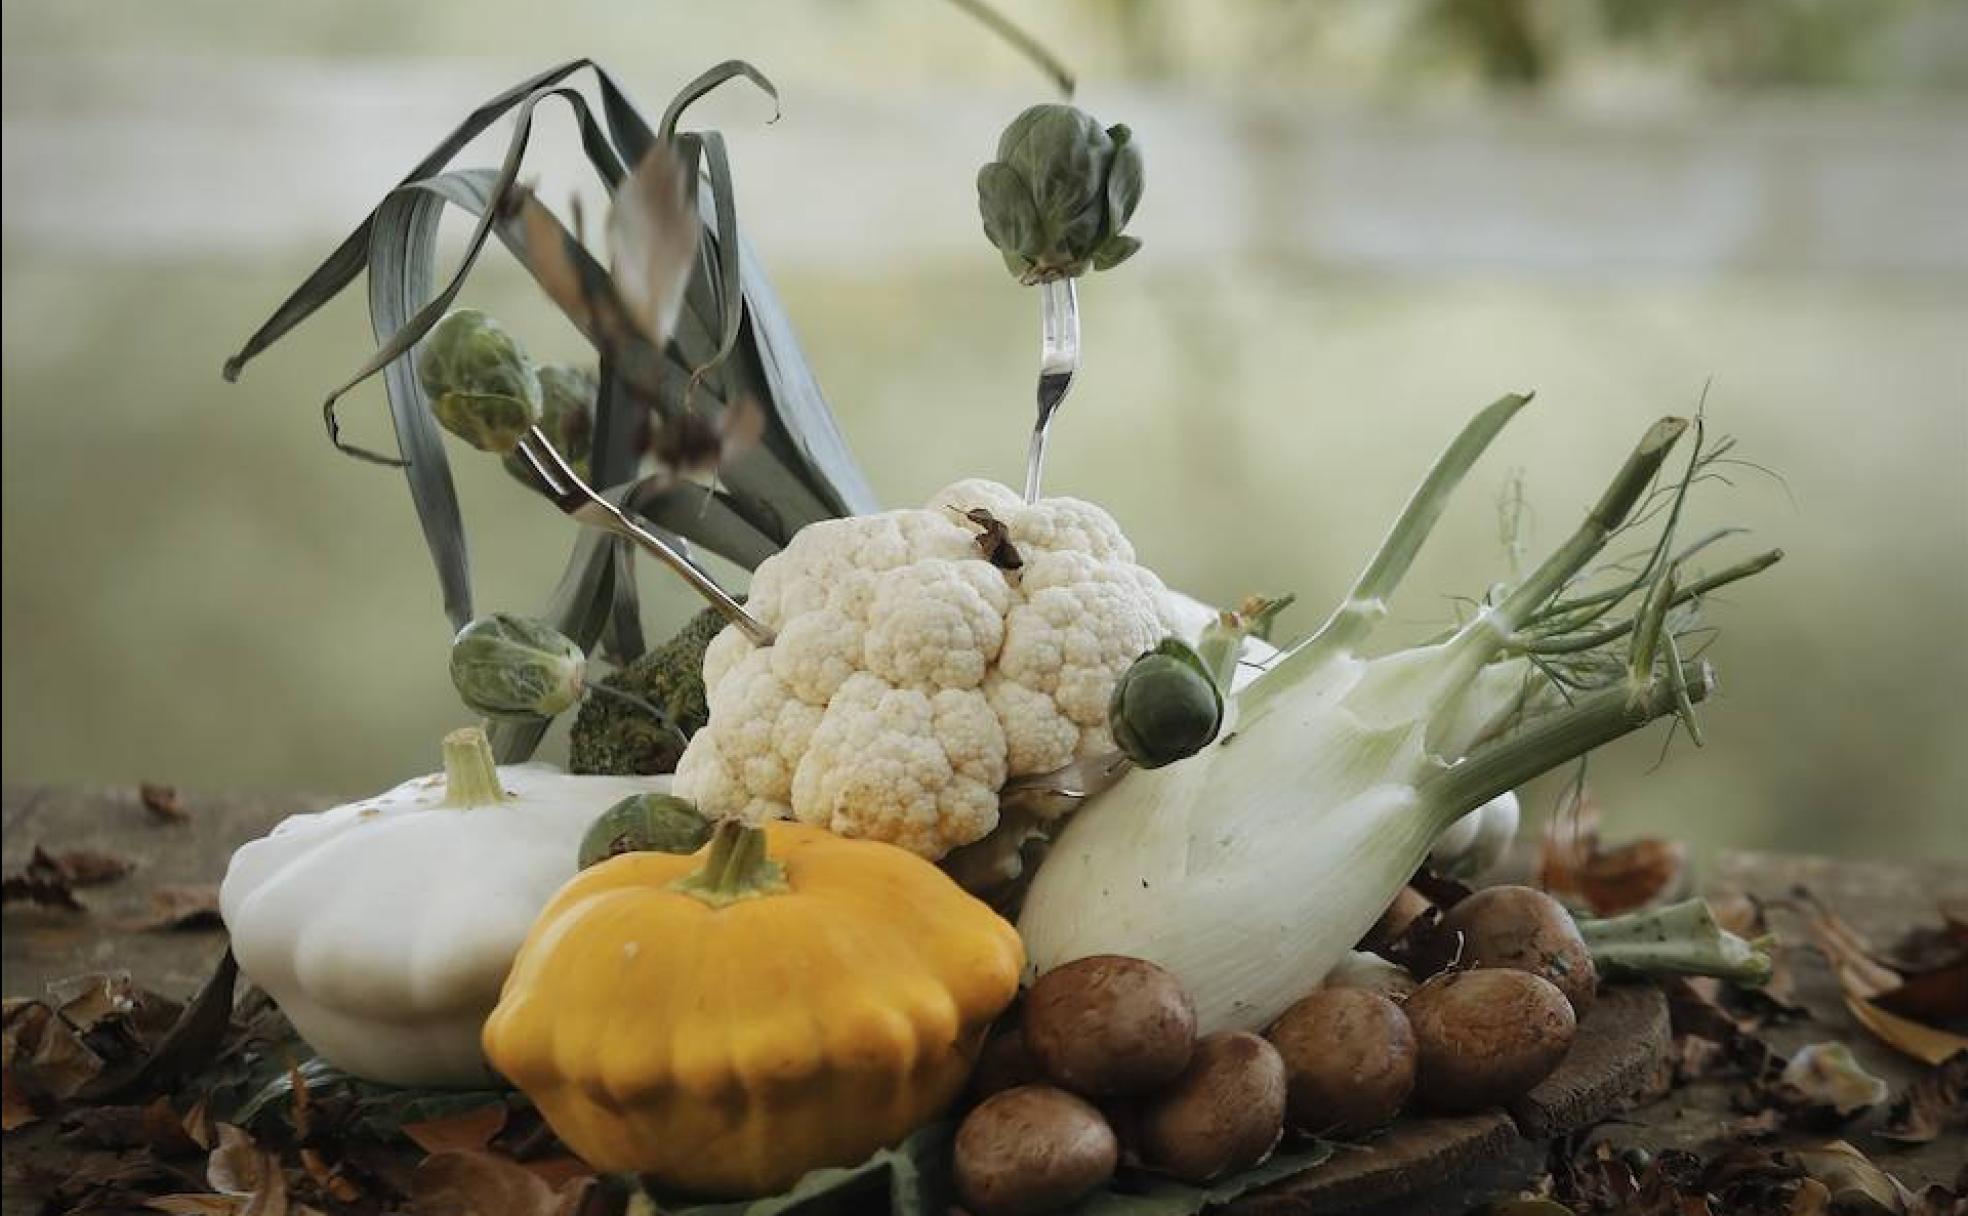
(896, 764)
(910, 677)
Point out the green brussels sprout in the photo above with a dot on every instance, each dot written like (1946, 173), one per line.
(645, 823)
(482, 387)
(1165, 706)
(567, 401)
(1056, 198)
(515, 668)
(614, 735)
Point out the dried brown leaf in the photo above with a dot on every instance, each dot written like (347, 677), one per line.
(163, 803)
(480, 1184)
(15, 1110)
(39, 888)
(1934, 1102)
(1925, 1043)
(1936, 995)
(190, 907)
(1631, 875)
(466, 1131)
(1856, 1185)
(994, 540)
(198, 1205)
(88, 867)
(237, 1165)
(653, 235)
(45, 1060)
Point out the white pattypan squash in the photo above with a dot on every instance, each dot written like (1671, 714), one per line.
(384, 928)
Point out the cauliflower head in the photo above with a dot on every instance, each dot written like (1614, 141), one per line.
(911, 676)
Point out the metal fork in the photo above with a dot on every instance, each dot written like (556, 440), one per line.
(579, 500)
(1059, 360)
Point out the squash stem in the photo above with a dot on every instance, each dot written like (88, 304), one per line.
(471, 778)
(735, 867)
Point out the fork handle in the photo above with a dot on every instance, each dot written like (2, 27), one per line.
(605, 515)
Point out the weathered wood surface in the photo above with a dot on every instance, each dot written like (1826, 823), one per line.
(1422, 1167)
(45, 944)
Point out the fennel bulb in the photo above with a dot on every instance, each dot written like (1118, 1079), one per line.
(1252, 867)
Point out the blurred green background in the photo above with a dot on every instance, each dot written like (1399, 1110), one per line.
(1363, 221)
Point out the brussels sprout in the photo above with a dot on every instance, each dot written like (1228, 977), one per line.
(1056, 198)
(1165, 707)
(515, 668)
(567, 399)
(481, 385)
(645, 823)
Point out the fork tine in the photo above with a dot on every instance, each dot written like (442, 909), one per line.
(578, 499)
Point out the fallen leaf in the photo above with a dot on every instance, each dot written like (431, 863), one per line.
(194, 1036)
(45, 1059)
(198, 1205)
(41, 889)
(1632, 875)
(1935, 1101)
(1939, 994)
(653, 240)
(163, 803)
(994, 539)
(466, 1131)
(1924, 1043)
(189, 907)
(1813, 1198)
(480, 1184)
(1855, 1183)
(15, 1110)
(237, 1165)
(1866, 981)
(330, 1178)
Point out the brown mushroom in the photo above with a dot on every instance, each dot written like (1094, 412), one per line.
(1225, 1113)
(1349, 1057)
(1526, 930)
(1486, 1037)
(1031, 1150)
(1107, 1026)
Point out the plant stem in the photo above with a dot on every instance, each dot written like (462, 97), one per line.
(1680, 939)
(1479, 641)
(1613, 633)
(1021, 41)
(1366, 603)
(471, 778)
(1560, 736)
(735, 867)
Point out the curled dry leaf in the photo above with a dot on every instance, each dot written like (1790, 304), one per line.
(994, 540)
(1632, 875)
(188, 907)
(480, 1184)
(44, 1060)
(466, 1131)
(1935, 1102)
(162, 802)
(1867, 983)
(1855, 1184)
(653, 234)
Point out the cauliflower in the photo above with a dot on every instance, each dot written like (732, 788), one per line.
(911, 676)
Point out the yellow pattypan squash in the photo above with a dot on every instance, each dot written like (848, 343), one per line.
(784, 999)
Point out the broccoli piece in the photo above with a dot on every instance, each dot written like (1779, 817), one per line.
(615, 735)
